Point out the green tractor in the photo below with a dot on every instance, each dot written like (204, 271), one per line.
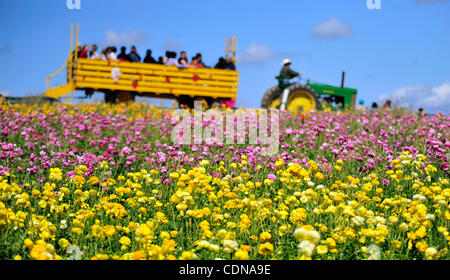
(297, 97)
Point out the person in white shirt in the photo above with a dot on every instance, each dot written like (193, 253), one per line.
(93, 53)
(111, 53)
(171, 60)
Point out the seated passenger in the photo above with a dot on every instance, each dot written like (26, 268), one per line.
(229, 65)
(93, 53)
(220, 64)
(103, 55)
(78, 51)
(134, 55)
(196, 62)
(111, 53)
(200, 61)
(84, 52)
(166, 57)
(123, 55)
(160, 60)
(183, 60)
(171, 60)
(148, 57)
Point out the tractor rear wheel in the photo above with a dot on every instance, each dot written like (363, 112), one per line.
(270, 96)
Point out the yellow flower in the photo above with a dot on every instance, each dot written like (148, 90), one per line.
(77, 230)
(78, 180)
(298, 215)
(396, 244)
(187, 255)
(330, 241)
(164, 235)
(124, 240)
(265, 249)
(241, 255)
(28, 243)
(265, 236)
(55, 174)
(93, 180)
(144, 230)
(108, 230)
(64, 243)
(321, 249)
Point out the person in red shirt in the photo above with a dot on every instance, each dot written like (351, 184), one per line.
(84, 52)
(196, 62)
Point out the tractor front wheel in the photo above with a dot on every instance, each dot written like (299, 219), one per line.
(302, 98)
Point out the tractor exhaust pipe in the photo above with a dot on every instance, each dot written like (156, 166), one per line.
(343, 78)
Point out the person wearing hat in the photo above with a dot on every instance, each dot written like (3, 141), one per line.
(286, 72)
(361, 108)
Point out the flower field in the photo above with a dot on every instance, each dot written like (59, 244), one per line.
(95, 181)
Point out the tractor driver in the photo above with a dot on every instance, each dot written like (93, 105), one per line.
(286, 72)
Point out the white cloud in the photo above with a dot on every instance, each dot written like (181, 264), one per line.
(430, 98)
(5, 48)
(133, 37)
(254, 54)
(5, 92)
(429, 1)
(171, 44)
(332, 29)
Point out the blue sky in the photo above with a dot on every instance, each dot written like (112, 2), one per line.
(401, 51)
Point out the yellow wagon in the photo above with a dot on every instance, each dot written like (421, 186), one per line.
(122, 81)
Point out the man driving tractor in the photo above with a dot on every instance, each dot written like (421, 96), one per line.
(286, 72)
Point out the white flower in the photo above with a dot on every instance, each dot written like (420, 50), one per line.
(203, 244)
(214, 247)
(63, 224)
(429, 217)
(379, 220)
(357, 221)
(230, 246)
(306, 248)
(314, 236)
(430, 253)
(419, 197)
(302, 234)
(374, 252)
(319, 187)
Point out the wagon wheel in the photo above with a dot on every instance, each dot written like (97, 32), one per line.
(188, 102)
(125, 96)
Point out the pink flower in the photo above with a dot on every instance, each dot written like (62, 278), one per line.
(126, 150)
(271, 176)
